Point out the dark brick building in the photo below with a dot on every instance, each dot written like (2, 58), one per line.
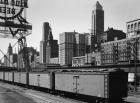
(112, 35)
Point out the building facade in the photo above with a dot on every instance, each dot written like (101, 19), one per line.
(93, 58)
(125, 51)
(10, 59)
(97, 25)
(32, 56)
(133, 28)
(112, 35)
(80, 44)
(48, 46)
(66, 48)
(72, 44)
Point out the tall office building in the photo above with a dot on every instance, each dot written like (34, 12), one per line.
(66, 48)
(97, 25)
(48, 46)
(80, 44)
(72, 44)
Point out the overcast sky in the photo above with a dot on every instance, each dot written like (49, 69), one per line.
(70, 15)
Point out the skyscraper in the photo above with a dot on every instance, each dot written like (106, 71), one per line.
(43, 42)
(66, 48)
(97, 25)
(48, 46)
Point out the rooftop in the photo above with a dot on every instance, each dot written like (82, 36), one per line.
(97, 6)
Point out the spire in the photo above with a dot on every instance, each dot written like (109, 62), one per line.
(10, 51)
(97, 6)
(10, 45)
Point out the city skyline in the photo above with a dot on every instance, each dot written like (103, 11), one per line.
(65, 16)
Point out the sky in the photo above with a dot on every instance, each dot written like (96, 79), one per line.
(70, 15)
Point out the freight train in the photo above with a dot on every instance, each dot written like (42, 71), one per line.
(99, 85)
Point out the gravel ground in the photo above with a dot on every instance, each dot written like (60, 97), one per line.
(37, 96)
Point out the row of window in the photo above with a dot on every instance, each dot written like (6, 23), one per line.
(132, 27)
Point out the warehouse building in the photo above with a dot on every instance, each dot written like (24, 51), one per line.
(111, 35)
(124, 51)
(133, 28)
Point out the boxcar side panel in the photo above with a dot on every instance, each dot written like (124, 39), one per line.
(6, 76)
(16, 77)
(1, 75)
(92, 85)
(10, 76)
(23, 78)
(64, 82)
(44, 80)
(33, 79)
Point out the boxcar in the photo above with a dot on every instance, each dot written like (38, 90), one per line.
(16, 77)
(101, 84)
(1, 76)
(23, 78)
(20, 78)
(8, 76)
(41, 80)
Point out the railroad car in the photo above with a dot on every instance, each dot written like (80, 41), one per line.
(101, 84)
(21, 78)
(8, 77)
(1, 75)
(98, 84)
(42, 80)
(16, 77)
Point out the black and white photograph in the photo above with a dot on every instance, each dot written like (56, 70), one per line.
(69, 51)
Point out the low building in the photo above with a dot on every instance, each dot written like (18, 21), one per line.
(93, 58)
(112, 35)
(54, 61)
(78, 61)
(124, 51)
(133, 28)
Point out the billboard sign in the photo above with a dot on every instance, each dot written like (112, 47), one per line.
(10, 9)
(12, 20)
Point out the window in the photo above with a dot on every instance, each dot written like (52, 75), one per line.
(128, 28)
(139, 25)
(135, 26)
(131, 27)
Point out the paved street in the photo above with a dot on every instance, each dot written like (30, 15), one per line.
(15, 94)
